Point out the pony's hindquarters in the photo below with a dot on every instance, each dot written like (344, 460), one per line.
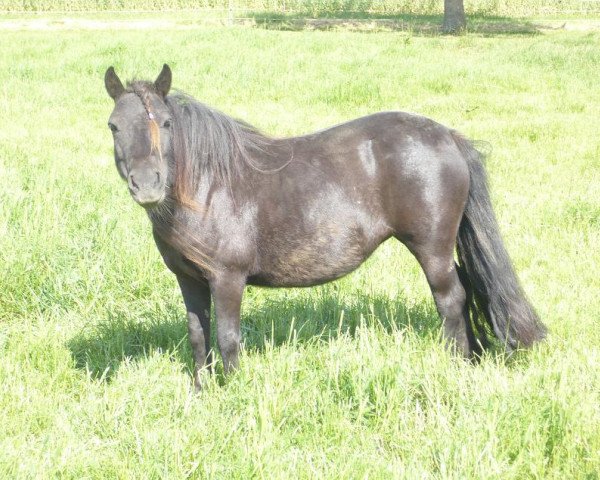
(440, 203)
(431, 186)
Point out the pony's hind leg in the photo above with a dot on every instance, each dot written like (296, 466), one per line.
(449, 294)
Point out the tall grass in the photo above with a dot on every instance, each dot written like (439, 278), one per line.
(311, 7)
(348, 380)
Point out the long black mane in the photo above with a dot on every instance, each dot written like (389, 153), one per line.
(209, 144)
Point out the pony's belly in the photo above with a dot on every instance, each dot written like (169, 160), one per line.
(315, 262)
(292, 274)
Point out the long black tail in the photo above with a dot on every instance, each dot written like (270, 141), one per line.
(486, 270)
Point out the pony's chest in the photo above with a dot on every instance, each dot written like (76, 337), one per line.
(176, 261)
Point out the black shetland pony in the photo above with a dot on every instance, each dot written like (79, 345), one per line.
(231, 207)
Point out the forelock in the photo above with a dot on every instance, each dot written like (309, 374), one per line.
(144, 91)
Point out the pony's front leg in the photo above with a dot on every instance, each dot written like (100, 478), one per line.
(196, 296)
(227, 289)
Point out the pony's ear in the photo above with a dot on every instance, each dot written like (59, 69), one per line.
(163, 81)
(113, 84)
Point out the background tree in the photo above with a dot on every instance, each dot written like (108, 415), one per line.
(454, 16)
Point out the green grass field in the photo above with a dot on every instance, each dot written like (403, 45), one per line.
(348, 380)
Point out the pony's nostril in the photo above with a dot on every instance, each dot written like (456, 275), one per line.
(157, 179)
(132, 184)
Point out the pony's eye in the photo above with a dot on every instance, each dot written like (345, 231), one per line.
(167, 124)
(113, 127)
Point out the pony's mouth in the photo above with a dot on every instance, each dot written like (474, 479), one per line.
(149, 199)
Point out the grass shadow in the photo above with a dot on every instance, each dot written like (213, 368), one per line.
(422, 25)
(329, 313)
(103, 348)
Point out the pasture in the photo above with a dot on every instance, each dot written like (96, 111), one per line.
(346, 380)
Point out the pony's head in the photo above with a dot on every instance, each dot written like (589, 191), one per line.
(142, 134)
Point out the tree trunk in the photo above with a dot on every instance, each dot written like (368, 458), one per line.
(454, 16)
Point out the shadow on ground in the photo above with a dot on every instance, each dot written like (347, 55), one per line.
(424, 25)
(305, 318)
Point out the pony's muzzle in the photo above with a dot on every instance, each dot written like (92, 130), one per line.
(146, 187)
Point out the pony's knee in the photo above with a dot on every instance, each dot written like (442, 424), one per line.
(451, 300)
(229, 344)
(445, 284)
(195, 331)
